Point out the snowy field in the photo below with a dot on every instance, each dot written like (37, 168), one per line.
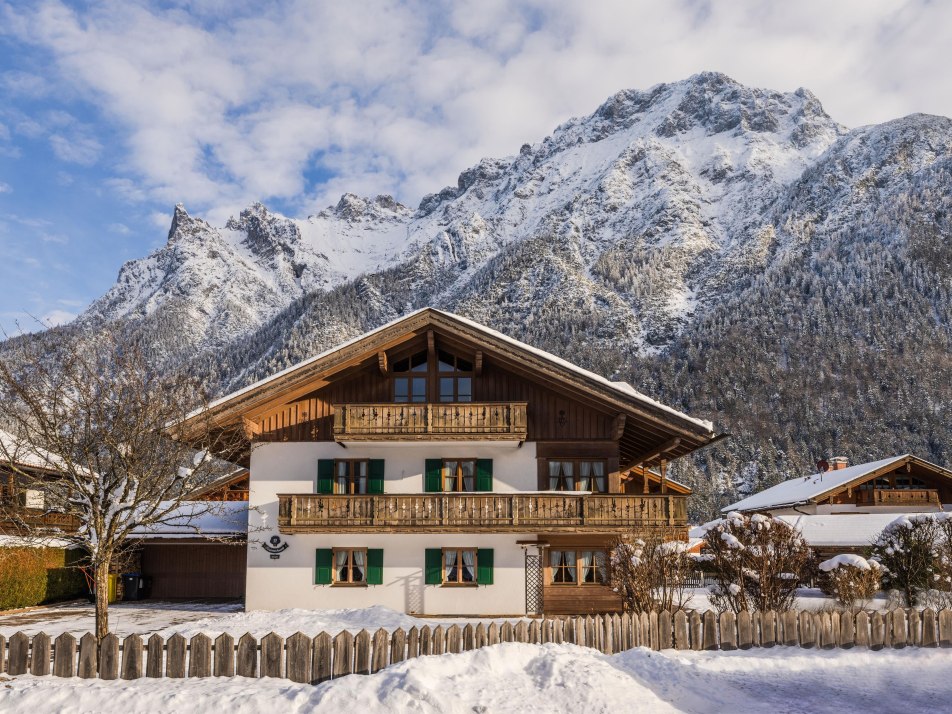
(544, 678)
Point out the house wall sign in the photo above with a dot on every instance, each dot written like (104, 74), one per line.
(275, 547)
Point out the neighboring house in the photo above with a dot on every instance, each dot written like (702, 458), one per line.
(438, 467)
(844, 508)
(232, 486)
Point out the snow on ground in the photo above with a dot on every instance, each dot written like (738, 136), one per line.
(544, 678)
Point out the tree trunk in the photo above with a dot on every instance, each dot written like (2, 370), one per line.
(101, 577)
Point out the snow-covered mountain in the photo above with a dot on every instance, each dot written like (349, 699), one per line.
(733, 251)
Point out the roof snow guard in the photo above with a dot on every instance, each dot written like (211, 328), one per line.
(652, 430)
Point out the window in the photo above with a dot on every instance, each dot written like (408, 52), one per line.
(409, 382)
(350, 566)
(577, 475)
(578, 567)
(459, 474)
(456, 378)
(350, 476)
(459, 566)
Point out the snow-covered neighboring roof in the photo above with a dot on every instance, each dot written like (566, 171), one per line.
(26, 455)
(13, 541)
(201, 519)
(623, 389)
(842, 529)
(802, 490)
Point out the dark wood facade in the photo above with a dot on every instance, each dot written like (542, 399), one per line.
(191, 570)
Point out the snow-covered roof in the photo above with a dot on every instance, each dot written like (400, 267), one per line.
(623, 389)
(802, 490)
(200, 519)
(23, 454)
(842, 529)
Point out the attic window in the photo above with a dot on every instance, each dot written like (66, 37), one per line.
(407, 386)
(456, 378)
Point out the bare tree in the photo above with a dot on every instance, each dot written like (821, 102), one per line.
(907, 552)
(758, 562)
(86, 406)
(651, 574)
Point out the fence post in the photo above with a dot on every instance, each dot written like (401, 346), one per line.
(681, 638)
(132, 657)
(535, 632)
(505, 632)
(381, 647)
(945, 628)
(413, 641)
(109, 657)
(745, 630)
(877, 632)
(344, 654)
(664, 630)
(899, 635)
(915, 628)
(64, 656)
(224, 655)
(728, 630)
(272, 655)
(522, 634)
(398, 644)
(847, 630)
(696, 634)
(709, 641)
(362, 653)
(200, 657)
(929, 638)
(790, 637)
(19, 654)
(175, 656)
(606, 631)
(426, 641)
(3, 654)
(321, 659)
(297, 652)
(40, 655)
(480, 635)
(834, 629)
(155, 652)
(768, 628)
(439, 640)
(246, 664)
(862, 629)
(454, 640)
(88, 656)
(807, 630)
(568, 631)
(547, 632)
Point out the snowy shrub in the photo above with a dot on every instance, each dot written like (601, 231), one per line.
(939, 595)
(851, 580)
(757, 562)
(907, 550)
(651, 574)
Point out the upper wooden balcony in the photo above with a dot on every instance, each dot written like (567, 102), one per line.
(469, 420)
(37, 522)
(899, 497)
(482, 512)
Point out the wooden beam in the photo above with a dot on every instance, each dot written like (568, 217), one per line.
(382, 363)
(478, 363)
(618, 427)
(664, 475)
(654, 453)
(251, 428)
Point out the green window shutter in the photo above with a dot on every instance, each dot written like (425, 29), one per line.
(484, 566)
(433, 476)
(323, 565)
(325, 476)
(375, 566)
(375, 473)
(434, 566)
(484, 474)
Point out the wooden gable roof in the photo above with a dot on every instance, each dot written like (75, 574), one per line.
(647, 430)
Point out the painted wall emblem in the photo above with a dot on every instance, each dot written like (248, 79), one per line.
(275, 547)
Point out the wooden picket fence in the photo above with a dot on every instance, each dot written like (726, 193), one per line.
(301, 658)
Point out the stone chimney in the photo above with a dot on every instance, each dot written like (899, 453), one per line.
(838, 462)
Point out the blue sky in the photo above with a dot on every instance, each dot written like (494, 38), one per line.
(112, 112)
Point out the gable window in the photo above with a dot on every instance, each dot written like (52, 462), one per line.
(459, 566)
(455, 378)
(577, 475)
(459, 474)
(578, 567)
(350, 476)
(409, 381)
(350, 566)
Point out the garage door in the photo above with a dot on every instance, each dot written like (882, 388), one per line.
(202, 570)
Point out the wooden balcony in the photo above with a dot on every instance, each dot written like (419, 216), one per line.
(474, 513)
(36, 522)
(471, 420)
(899, 497)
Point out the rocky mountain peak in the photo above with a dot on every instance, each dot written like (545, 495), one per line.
(354, 209)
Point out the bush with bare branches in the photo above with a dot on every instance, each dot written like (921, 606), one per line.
(851, 580)
(651, 574)
(907, 550)
(757, 562)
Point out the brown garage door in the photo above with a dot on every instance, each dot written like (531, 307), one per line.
(195, 570)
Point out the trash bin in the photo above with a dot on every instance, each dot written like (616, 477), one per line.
(130, 586)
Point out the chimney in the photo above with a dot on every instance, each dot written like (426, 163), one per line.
(838, 462)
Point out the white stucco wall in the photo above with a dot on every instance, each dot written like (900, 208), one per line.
(291, 467)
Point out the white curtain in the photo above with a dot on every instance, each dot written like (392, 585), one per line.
(562, 563)
(359, 566)
(601, 565)
(449, 476)
(585, 476)
(469, 566)
(450, 564)
(469, 475)
(598, 470)
(588, 566)
(340, 562)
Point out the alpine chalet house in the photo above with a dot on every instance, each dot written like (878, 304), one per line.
(437, 467)
(844, 508)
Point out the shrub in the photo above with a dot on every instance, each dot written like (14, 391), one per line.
(757, 562)
(907, 552)
(851, 580)
(651, 574)
(31, 576)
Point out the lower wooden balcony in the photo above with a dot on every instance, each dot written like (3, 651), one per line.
(475, 513)
(899, 497)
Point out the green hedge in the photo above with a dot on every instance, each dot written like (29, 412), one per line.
(32, 576)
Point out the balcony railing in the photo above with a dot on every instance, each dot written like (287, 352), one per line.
(14, 520)
(448, 513)
(899, 497)
(475, 420)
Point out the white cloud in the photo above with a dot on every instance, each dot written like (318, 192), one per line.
(400, 97)
(120, 228)
(5, 187)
